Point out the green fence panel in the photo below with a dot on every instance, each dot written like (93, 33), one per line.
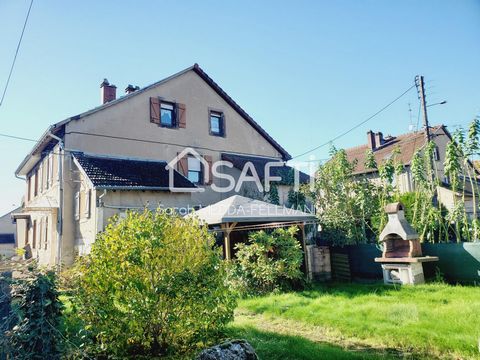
(458, 262)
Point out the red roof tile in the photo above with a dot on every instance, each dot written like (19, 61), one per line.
(408, 143)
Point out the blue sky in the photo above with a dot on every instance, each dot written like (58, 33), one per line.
(306, 72)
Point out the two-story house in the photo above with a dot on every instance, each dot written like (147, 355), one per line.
(406, 145)
(104, 161)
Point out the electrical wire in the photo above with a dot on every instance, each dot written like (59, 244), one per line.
(356, 126)
(17, 137)
(165, 143)
(16, 53)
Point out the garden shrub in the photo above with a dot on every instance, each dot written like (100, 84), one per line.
(270, 261)
(153, 284)
(36, 310)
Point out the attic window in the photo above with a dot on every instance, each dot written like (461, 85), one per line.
(217, 123)
(167, 114)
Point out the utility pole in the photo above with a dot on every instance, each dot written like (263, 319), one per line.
(420, 84)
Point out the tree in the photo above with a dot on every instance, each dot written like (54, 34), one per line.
(345, 205)
(153, 284)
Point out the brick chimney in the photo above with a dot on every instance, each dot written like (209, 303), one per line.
(107, 92)
(379, 139)
(130, 89)
(371, 139)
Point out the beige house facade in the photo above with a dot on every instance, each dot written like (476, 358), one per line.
(112, 158)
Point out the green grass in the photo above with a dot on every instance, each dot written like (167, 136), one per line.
(432, 320)
(271, 345)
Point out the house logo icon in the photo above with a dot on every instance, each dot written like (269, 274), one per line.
(187, 152)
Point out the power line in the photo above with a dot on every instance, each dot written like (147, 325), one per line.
(17, 137)
(16, 53)
(356, 126)
(166, 143)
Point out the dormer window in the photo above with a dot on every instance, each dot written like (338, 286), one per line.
(217, 123)
(167, 114)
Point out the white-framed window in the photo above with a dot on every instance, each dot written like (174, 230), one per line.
(194, 170)
(77, 206)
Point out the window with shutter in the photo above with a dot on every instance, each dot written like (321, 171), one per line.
(88, 197)
(40, 177)
(29, 188)
(40, 234)
(34, 234)
(46, 234)
(50, 170)
(35, 190)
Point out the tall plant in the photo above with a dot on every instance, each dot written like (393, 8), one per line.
(345, 205)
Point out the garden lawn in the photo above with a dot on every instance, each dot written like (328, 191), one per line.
(364, 321)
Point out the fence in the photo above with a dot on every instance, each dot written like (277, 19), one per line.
(458, 262)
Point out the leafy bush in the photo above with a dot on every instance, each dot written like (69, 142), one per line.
(153, 284)
(269, 261)
(37, 313)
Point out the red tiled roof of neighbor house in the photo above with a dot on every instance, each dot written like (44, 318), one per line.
(408, 144)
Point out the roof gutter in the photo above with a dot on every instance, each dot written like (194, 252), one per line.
(141, 188)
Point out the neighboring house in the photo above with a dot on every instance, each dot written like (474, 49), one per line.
(7, 234)
(383, 148)
(112, 158)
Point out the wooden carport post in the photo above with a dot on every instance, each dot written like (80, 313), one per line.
(227, 229)
(305, 255)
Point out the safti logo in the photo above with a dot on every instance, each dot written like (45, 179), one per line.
(219, 170)
(187, 152)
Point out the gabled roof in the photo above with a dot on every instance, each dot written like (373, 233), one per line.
(58, 127)
(6, 223)
(285, 172)
(242, 209)
(127, 174)
(408, 144)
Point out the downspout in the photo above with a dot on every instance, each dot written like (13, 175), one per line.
(60, 200)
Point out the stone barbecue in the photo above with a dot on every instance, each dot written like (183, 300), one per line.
(402, 253)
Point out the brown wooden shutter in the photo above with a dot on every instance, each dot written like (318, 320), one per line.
(155, 110)
(183, 166)
(209, 161)
(181, 116)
